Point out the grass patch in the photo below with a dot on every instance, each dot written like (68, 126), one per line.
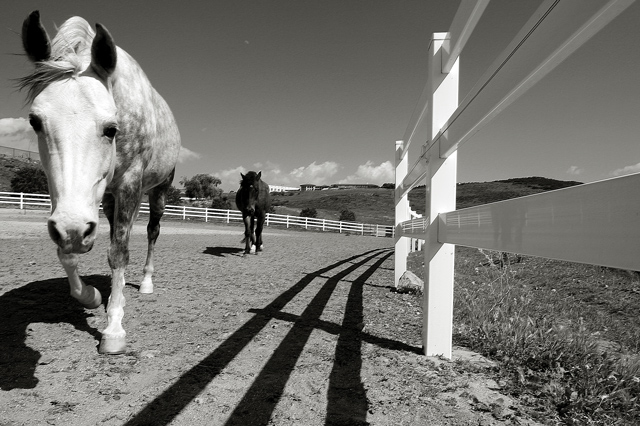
(566, 335)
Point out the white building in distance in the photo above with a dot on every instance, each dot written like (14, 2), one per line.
(280, 188)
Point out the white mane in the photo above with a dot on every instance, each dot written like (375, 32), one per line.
(70, 55)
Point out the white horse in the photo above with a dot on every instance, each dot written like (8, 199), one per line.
(103, 134)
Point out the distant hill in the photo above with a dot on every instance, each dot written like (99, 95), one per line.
(376, 205)
(371, 205)
(476, 193)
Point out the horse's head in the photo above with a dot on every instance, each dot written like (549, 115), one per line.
(75, 118)
(249, 191)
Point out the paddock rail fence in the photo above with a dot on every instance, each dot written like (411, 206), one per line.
(24, 201)
(596, 223)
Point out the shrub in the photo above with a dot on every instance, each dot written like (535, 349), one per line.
(221, 202)
(309, 212)
(347, 215)
(30, 179)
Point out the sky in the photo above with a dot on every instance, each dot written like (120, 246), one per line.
(318, 91)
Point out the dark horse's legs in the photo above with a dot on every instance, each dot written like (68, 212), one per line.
(259, 226)
(249, 236)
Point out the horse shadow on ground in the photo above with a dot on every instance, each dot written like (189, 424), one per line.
(221, 251)
(346, 399)
(46, 301)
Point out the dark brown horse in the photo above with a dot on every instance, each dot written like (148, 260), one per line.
(254, 201)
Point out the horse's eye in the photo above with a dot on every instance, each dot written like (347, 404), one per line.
(35, 123)
(110, 132)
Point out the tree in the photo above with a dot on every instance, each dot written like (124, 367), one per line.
(173, 196)
(201, 186)
(309, 212)
(30, 179)
(347, 215)
(388, 185)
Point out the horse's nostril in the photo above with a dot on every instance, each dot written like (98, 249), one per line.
(53, 231)
(90, 228)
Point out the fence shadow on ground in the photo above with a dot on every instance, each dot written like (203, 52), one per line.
(346, 395)
(46, 301)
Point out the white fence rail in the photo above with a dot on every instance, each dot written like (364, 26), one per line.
(23, 201)
(597, 223)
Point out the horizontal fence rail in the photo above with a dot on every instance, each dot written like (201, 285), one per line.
(597, 223)
(22, 201)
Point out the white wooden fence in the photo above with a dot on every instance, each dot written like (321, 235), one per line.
(23, 201)
(597, 223)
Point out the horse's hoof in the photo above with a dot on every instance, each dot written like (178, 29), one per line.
(95, 301)
(253, 249)
(115, 346)
(146, 288)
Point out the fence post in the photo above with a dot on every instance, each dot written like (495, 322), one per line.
(324, 221)
(441, 197)
(287, 221)
(267, 221)
(21, 199)
(306, 223)
(184, 212)
(206, 215)
(228, 213)
(401, 214)
(362, 229)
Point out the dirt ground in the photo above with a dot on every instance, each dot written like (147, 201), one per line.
(310, 332)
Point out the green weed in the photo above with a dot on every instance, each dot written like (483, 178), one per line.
(566, 335)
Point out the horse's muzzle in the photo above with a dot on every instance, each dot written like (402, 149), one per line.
(72, 237)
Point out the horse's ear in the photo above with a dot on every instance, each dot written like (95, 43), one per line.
(35, 39)
(103, 53)
(241, 175)
(259, 174)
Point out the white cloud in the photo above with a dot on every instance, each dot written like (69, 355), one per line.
(370, 173)
(187, 155)
(626, 170)
(230, 177)
(17, 133)
(319, 174)
(575, 171)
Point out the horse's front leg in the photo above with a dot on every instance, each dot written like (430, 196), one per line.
(249, 238)
(85, 294)
(259, 226)
(126, 208)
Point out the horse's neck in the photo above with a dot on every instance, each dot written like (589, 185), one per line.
(148, 136)
(132, 91)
